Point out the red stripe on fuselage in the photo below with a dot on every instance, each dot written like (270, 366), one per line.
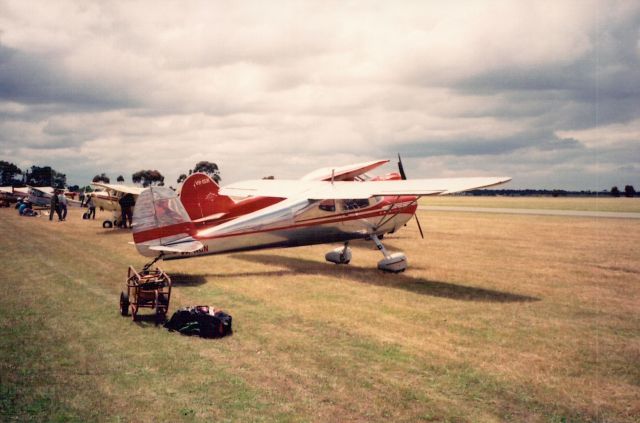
(378, 210)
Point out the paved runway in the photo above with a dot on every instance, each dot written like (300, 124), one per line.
(541, 212)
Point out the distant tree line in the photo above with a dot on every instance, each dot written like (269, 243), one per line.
(629, 191)
(10, 174)
(204, 166)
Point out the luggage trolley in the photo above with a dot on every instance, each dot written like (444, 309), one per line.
(148, 289)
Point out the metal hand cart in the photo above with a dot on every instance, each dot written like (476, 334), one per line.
(148, 289)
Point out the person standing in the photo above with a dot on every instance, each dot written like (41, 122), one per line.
(92, 208)
(126, 205)
(62, 200)
(54, 205)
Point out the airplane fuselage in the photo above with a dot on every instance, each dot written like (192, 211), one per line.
(299, 223)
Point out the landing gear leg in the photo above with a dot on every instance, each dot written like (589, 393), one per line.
(340, 255)
(395, 263)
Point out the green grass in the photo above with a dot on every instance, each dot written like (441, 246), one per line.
(535, 322)
(607, 204)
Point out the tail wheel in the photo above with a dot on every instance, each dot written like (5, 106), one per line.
(107, 224)
(124, 303)
(161, 315)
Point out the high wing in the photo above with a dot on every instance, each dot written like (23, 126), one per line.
(41, 190)
(342, 173)
(120, 188)
(317, 190)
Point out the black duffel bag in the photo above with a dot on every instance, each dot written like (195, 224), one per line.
(201, 321)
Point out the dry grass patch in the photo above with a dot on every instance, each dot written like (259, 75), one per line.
(498, 318)
(607, 204)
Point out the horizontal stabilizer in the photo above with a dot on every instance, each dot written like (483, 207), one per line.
(182, 247)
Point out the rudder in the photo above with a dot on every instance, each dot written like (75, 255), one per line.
(199, 196)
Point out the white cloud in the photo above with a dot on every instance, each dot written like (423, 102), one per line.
(280, 88)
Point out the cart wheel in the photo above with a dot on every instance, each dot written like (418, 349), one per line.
(107, 224)
(124, 303)
(161, 315)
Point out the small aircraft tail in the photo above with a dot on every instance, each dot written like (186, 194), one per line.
(161, 224)
(201, 199)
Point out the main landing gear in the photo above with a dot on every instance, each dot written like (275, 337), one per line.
(340, 255)
(394, 263)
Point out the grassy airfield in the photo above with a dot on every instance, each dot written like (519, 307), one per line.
(498, 318)
(603, 204)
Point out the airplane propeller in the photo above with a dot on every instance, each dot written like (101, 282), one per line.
(404, 178)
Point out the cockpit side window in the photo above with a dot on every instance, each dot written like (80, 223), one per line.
(355, 204)
(328, 205)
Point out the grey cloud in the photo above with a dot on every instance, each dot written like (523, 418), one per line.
(482, 146)
(32, 79)
(603, 84)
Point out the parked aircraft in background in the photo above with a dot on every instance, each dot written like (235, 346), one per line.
(11, 194)
(326, 206)
(107, 197)
(41, 197)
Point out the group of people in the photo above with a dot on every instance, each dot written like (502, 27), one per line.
(24, 208)
(58, 205)
(126, 202)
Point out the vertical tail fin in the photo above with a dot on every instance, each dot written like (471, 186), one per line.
(159, 219)
(200, 198)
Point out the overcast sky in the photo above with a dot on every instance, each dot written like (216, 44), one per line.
(545, 92)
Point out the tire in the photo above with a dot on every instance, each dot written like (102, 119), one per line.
(124, 303)
(161, 315)
(107, 224)
(85, 216)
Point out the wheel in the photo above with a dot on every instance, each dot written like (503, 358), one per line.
(124, 303)
(161, 315)
(107, 224)
(85, 216)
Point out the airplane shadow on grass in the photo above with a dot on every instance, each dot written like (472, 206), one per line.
(114, 231)
(186, 279)
(376, 277)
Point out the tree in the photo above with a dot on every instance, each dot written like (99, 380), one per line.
(101, 178)
(615, 192)
(120, 179)
(58, 180)
(629, 191)
(209, 168)
(147, 177)
(45, 176)
(181, 178)
(8, 171)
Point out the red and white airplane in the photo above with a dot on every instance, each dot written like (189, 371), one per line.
(326, 206)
